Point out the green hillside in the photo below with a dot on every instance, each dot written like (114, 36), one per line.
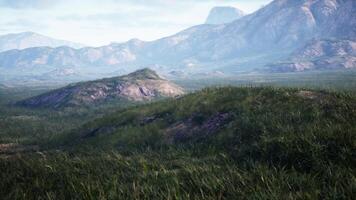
(226, 117)
(218, 143)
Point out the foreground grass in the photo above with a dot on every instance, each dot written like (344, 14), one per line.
(169, 175)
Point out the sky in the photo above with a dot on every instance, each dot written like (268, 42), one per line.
(100, 22)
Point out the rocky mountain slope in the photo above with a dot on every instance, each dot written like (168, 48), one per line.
(320, 54)
(30, 39)
(223, 15)
(142, 85)
(266, 36)
(278, 28)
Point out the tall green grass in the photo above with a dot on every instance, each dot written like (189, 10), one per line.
(164, 175)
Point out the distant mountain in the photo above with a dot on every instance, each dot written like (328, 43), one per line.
(142, 85)
(320, 54)
(64, 56)
(223, 15)
(30, 39)
(269, 35)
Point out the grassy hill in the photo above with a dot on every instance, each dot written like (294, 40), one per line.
(226, 115)
(218, 143)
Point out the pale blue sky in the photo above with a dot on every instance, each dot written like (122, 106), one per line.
(99, 22)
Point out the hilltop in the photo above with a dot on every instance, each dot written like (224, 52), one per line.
(141, 85)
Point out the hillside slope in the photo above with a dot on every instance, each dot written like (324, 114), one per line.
(234, 119)
(142, 85)
(30, 39)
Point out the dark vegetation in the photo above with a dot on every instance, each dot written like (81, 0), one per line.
(218, 143)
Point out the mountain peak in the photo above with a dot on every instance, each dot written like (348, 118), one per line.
(142, 74)
(223, 15)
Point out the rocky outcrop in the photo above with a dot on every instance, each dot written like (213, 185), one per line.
(142, 85)
(196, 127)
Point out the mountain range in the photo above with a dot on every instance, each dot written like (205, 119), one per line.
(30, 39)
(139, 86)
(279, 33)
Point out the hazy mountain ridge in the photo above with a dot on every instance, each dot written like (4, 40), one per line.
(142, 85)
(223, 15)
(30, 39)
(110, 55)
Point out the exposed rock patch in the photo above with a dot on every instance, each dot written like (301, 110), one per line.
(196, 127)
(316, 96)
